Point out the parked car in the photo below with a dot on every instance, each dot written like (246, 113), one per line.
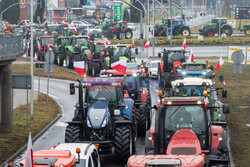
(132, 26)
(153, 69)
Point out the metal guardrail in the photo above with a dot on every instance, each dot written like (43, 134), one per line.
(11, 44)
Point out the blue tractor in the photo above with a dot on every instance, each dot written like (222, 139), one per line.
(104, 116)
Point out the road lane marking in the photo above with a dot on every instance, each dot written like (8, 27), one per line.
(46, 93)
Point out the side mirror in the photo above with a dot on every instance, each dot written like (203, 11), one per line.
(72, 88)
(159, 54)
(136, 51)
(225, 108)
(224, 93)
(221, 78)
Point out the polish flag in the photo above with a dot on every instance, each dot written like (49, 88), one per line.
(191, 57)
(29, 154)
(25, 23)
(79, 67)
(133, 43)
(224, 84)
(206, 100)
(219, 64)
(184, 44)
(147, 44)
(88, 33)
(64, 24)
(75, 30)
(120, 66)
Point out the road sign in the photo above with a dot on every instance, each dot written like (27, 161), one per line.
(237, 68)
(48, 68)
(242, 13)
(39, 65)
(21, 81)
(118, 10)
(238, 57)
(49, 57)
(232, 49)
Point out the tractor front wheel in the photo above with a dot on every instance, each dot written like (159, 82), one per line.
(72, 133)
(142, 121)
(123, 142)
(247, 32)
(185, 32)
(95, 69)
(128, 34)
(210, 33)
(69, 62)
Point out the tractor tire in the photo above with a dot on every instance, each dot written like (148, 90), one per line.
(95, 71)
(69, 62)
(88, 67)
(72, 133)
(227, 29)
(60, 59)
(37, 54)
(142, 120)
(185, 32)
(210, 33)
(128, 34)
(123, 143)
(247, 32)
(56, 59)
(161, 33)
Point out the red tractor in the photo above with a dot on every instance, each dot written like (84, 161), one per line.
(137, 84)
(177, 113)
(44, 44)
(121, 27)
(184, 150)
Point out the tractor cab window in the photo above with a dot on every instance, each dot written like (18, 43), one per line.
(64, 41)
(185, 117)
(45, 41)
(194, 67)
(81, 41)
(190, 90)
(107, 93)
(99, 47)
(131, 83)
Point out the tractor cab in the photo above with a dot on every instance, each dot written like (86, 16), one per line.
(182, 113)
(44, 44)
(103, 116)
(195, 69)
(79, 42)
(55, 29)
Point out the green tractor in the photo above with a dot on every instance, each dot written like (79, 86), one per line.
(246, 29)
(75, 50)
(60, 49)
(217, 26)
(55, 29)
(179, 27)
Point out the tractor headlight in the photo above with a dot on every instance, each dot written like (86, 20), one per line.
(183, 73)
(134, 74)
(88, 123)
(104, 123)
(204, 73)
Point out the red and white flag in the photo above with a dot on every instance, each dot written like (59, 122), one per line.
(191, 57)
(25, 23)
(88, 33)
(133, 43)
(147, 44)
(224, 84)
(184, 44)
(120, 66)
(75, 30)
(219, 64)
(206, 100)
(79, 67)
(64, 24)
(29, 154)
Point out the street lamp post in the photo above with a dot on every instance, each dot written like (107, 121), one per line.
(31, 63)
(146, 20)
(171, 24)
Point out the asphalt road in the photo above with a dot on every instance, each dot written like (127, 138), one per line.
(59, 91)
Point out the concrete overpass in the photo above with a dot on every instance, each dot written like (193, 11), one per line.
(11, 47)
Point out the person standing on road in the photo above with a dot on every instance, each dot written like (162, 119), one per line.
(149, 27)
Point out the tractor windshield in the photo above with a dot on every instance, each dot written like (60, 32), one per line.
(108, 93)
(64, 41)
(81, 41)
(185, 117)
(45, 41)
(194, 67)
(190, 90)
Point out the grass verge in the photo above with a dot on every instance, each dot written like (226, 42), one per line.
(59, 73)
(238, 118)
(192, 40)
(11, 142)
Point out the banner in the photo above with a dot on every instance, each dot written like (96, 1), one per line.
(232, 49)
(52, 4)
(118, 10)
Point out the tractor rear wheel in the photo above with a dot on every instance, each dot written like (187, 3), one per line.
(72, 133)
(60, 59)
(128, 34)
(69, 62)
(210, 33)
(142, 121)
(123, 142)
(95, 69)
(247, 32)
(228, 30)
(185, 32)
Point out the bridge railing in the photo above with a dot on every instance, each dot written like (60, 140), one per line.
(11, 44)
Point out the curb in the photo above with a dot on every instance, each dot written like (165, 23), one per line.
(230, 154)
(11, 158)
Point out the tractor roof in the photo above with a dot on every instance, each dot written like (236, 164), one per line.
(54, 157)
(117, 73)
(120, 45)
(174, 49)
(192, 81)
(193, 63)
(103, 81)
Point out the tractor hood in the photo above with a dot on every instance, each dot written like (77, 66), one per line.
(98, 114)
